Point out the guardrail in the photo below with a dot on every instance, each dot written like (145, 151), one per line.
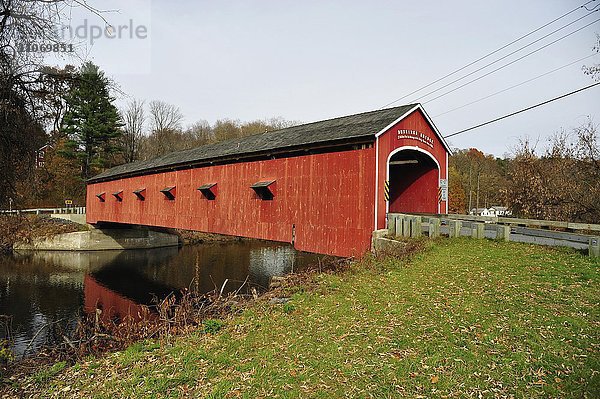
(78, 210)
(544, 224)
(510, 229)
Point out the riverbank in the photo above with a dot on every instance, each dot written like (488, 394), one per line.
(190, 237)
(464, 318)
(25, 228)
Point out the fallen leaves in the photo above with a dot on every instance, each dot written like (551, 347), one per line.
(476, 343)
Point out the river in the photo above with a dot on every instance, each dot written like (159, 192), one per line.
(44, 289)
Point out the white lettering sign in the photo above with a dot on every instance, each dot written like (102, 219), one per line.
(414, 135)
(443, 190)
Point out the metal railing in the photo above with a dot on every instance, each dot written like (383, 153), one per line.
(510, 221)
(510, 229)
(78, 210)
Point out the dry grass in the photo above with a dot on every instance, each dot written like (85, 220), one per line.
(464, 319)
(18, 228)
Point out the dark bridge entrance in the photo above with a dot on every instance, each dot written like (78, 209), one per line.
(413, 176)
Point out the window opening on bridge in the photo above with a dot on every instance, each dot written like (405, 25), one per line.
(140, 194)
(208, 190)
(118, 195)
(169, 192)
(101, 197)
(264, 189)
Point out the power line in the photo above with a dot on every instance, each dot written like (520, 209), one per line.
(516, 51)
(491, 53)
(516, 85)
(511, 62)
(523, 110)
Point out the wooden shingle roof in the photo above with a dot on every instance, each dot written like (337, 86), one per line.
(331, 131)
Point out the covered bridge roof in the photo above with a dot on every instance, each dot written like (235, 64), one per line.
(331, 131)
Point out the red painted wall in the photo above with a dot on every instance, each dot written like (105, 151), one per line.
(415, 189)
(329, 197)
(420, 196)
(335, 200)
(113, 305)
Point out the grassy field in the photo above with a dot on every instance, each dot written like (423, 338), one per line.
(465, 318)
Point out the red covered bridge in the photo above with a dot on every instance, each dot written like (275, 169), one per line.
(323, 186)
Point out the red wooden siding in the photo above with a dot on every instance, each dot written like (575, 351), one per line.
(414, 188)
(418, 198)
(333, 200)
(328, 197)
(115, 307)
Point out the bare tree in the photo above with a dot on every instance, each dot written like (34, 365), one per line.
(29, 91)
(200, 132)
(563, 183)
(164, 116)
(254, 127)
(262, 126)
(134, 117)
(226, 129)
(167, 137)
(594, 70)
(280, 123)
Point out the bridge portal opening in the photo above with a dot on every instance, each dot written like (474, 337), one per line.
(413, 177)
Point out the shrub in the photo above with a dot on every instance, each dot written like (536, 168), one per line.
(288, 307)
(212, 326)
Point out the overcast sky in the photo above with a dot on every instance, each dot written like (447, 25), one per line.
(312, 60)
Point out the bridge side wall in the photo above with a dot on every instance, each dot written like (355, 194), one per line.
(325, 200)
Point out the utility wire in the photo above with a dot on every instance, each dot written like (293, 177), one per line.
(523, 110)
(512, 62)
(516, 85)
(491, 53)
(516, 51)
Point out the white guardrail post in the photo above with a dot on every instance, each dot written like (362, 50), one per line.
(594, 249)
(580, 236)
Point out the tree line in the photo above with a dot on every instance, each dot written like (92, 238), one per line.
(558, 180)
(87, 134)
(71, 113)
(156, 128)
(81, 133)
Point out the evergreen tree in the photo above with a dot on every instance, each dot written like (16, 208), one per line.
(92, 123)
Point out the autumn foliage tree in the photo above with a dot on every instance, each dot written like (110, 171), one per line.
(457, 198)
(30, 91)
(476, 180)
(561, 184)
